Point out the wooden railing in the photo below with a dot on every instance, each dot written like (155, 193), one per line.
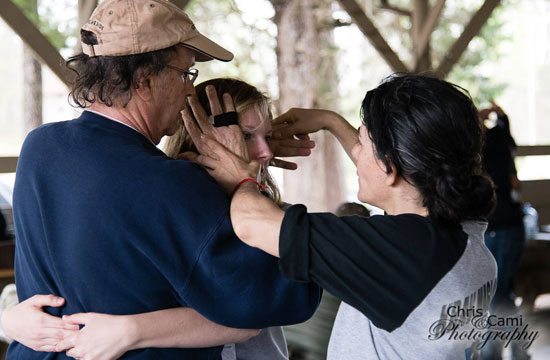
(8, 164)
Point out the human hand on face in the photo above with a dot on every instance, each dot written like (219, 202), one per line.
(301, 122)
(103, 337)
(197, 124)
(225, 166)
(28, 324)
(223, 150)
(291, 146)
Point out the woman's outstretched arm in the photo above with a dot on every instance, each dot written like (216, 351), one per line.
(297, 122)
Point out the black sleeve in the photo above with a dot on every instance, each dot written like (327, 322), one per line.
(384, 266)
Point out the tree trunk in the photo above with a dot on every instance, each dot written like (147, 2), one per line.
(317, 182)
(419, 15)
(32, 91)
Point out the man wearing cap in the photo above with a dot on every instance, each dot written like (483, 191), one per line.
(105, 220)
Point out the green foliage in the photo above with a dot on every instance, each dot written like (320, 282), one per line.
(473, 70)
(250, 38)
(44, 22)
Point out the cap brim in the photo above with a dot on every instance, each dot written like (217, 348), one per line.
(207, 50)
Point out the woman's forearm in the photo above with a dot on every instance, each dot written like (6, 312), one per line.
(181, 327)
(256, 219)
(346, 134)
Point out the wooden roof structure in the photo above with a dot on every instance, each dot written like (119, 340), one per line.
(424, 19)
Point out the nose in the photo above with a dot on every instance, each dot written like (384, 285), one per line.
(264, 152)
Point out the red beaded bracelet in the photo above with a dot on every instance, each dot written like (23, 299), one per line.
(245, 180)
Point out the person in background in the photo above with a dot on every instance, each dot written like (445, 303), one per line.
(352, 208)
(505, 235)
(400, 275)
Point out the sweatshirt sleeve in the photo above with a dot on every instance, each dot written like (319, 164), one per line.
(384, 266)
(239, 286)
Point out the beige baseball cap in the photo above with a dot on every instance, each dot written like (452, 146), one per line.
(129, 27)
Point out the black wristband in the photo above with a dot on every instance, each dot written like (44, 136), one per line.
(226, 119)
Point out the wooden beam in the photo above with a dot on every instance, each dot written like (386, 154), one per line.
(39, 44)
(533, 150)
(384, 4)
(8, 164)
(180, 3)
(422, 61)
(428, 27)
(368, 28)
(6, 273)
(471, 30)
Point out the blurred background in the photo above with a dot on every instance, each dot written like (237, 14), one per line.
(326, 54)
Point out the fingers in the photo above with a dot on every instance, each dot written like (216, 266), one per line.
(65, 344)
(191, 126)
(213, 100)
(200, 114)
(74, 354)
(53, 322)
(293, 143)
(287, 165)
(46, 300)
(78, 318)
(286, 132)
(207, 162)
(285, 118)
(228, 103)
(46, 348)
(188, 155)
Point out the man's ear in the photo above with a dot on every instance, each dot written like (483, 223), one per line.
(143, 87)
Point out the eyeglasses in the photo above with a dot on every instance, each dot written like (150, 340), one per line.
(190, 75)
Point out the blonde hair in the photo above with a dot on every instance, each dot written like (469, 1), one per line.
(245, 97)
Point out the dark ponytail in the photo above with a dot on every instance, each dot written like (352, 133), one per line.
(429, 130)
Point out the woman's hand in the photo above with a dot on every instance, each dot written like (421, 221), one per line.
(300, 145)
(28, 324)
(103, 337)
(302, 122)
(298, 121)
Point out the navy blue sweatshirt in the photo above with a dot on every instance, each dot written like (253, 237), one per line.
(107, 221)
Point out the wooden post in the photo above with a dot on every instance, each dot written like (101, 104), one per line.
(426, 29)
(421, 58)
(85, 9)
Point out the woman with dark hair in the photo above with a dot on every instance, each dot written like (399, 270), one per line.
(415, 281)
